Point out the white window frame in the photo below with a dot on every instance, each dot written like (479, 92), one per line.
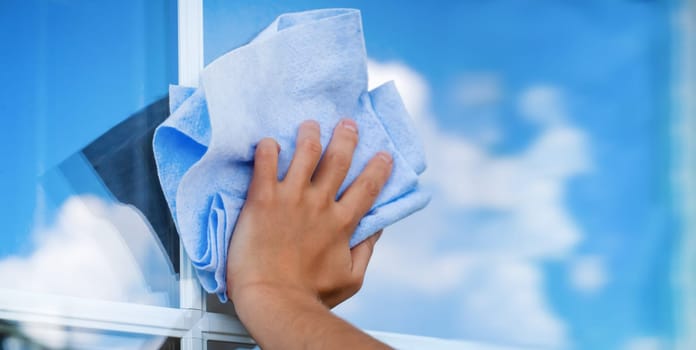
(683, 134)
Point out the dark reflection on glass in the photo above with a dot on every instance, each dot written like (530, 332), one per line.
(103, 229)
(213, 304)
(122, 157)
(104, 215)
(218, 345)
(171, 344)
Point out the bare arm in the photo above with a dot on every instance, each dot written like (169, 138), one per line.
(281, 319)
(289, 259)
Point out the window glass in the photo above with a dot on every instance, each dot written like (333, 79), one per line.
(213, 304)
(84, 85)
(546, 124)
(42, 336)
(218, 345)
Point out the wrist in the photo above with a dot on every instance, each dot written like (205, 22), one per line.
(268, 311)
(252, 299)
(278, 315)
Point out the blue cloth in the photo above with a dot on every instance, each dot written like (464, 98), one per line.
(308, 65)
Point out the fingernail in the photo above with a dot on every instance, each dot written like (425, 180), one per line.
(311, 123)
(308, 128)
(277, 146)
(385, 156)
(349, 124)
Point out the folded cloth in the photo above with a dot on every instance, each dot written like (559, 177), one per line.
(308, 65)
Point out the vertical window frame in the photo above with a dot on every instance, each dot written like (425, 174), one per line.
(683, 170)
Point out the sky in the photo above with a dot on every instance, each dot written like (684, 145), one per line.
(545, 124)
(78, 68)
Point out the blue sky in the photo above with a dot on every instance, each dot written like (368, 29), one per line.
(77, 68)
(570, 97)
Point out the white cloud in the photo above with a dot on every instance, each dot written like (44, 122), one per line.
(412, 87)
(588, 274)
(479, 89)
(496, 275)
(543, 104)
(645, 343)
(508, 295)
(93, 250)
(476, 98)
(499, 297)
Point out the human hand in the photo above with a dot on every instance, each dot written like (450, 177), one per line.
(293, 236)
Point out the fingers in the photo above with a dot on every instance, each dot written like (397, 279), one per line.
(336, 161)
(361, 255)
(265, 174)
(307, 154)
(363, 192)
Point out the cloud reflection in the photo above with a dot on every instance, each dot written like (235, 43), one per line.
(95, 250)
(495, 279)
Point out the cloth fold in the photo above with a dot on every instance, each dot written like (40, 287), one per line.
(307, 65)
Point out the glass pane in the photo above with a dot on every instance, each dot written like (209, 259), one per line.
(552, 222)
(218, 345)
(36, 336)
(213, 304)
(84, 86)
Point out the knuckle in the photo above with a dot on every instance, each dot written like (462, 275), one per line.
(356, 283)
(322, 200)
(340, 161)
(371, 187)
(293, 197)
(320, 207)
(347, 219)
(323, 287)
(262, 199)
(310, 146)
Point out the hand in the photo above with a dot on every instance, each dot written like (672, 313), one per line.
(289, 258)
(292, 236)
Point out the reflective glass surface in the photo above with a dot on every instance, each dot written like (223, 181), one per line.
(37, 336)
(547, 127)
(84, 85)
(218, 345)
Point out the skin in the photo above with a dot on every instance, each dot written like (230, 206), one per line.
(289, 259)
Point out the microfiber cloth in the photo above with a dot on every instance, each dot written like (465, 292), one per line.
(307, 65)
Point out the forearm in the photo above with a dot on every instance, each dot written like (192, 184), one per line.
(291, 319)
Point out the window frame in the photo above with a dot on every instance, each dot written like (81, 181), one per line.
(683, 132)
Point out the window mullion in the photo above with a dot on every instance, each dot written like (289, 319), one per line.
(190, 24)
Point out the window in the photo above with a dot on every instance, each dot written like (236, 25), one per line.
(92, 259)
(555, 142)
(561, 140)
